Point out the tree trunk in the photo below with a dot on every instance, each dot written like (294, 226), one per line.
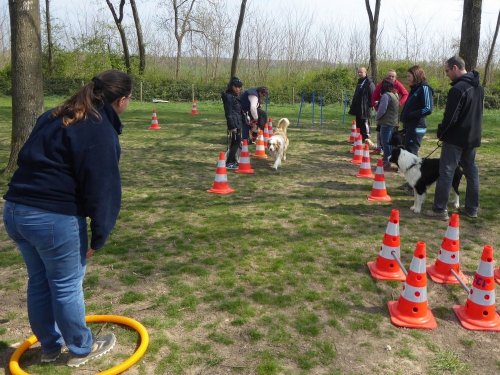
(471, 28)
(490, 54)
(121, 30)
(236, 50)
(50, 57)
(140, 38)
(373, 37)
(27, 77)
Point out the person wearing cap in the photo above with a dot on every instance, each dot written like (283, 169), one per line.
(234, 119)
(251, 101)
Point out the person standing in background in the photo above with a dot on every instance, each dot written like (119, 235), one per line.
(460, 132)
(361, 103)
(234, 119)
(251, 102)
(387, 120)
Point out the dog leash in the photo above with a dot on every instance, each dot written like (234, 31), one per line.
(433, 151)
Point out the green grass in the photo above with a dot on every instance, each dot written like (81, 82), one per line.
(271, 279)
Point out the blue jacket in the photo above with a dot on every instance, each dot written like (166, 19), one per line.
(72, 170)
(232, 110)
(418, 105)
(245, 102)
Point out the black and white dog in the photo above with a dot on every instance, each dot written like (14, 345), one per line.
(420, 174)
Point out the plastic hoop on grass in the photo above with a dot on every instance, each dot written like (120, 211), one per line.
(15, 369)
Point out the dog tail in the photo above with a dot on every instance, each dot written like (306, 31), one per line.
(283, 124)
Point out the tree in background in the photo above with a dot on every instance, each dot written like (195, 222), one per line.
(491, 53)
(182, 17)
(236, 50)
(121, 30)
(140, 39)
(373, 18)
(50, 45)
(27, 79)
(471, 28)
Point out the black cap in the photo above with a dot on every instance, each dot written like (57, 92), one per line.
(235, 81)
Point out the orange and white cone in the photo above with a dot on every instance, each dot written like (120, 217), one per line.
(357, 157)
(386, 267)
(270, 126)
(220, 185)
(412, 310)
(356, 141)
(448, 256)
(266, 135)
(379, 192)
(365, 168)
(260, 148)
(354, 130)
(479, 312)
(244, 165)
(497, 275)
(194, 108)
(154, 122)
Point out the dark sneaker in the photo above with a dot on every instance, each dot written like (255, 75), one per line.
(51, 357)
(232, 166)
(100, 347)
(437, 215)
(467, 213)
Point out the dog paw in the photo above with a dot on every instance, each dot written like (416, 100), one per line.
(412, 208)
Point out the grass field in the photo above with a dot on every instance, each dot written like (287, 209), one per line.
(271, 279)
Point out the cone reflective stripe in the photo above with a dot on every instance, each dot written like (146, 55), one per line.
(365, 168)
(386, 267)
(260, 149)
(357, 157)
(244, 165)
(270, 126)
(266, 135)
(411, 310)
(379, 192)
(479, 312)
(154, 122)
(356, 142)
(194, 108)
(448, 256)
(353, 135)
(220, 185)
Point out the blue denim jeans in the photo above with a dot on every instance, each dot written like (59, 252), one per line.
(451, 155)
(385, 138)
(54, 249)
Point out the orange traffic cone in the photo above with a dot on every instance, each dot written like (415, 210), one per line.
(154, 122)
(220, 185)
(448, 256)
(357, 157)
(356, 141)
(497, 275)
(194, 108)
(260, 149)
(379, 193)
(270, 122)
(266, 135)
(479, 312)
(412, 310)
(244, 165)
(365, 168)
(354, 130)
(386, 267)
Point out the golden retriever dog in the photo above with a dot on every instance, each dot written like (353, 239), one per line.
(278, 143)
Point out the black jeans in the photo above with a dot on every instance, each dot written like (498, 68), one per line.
(233, 146)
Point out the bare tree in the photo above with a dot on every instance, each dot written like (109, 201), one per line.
(373, 18)
(471, 28)
(182, 17)
(140, 39)
(121, 30)
(27, 79)
(490, 54)
(236, 50)
(48, 24)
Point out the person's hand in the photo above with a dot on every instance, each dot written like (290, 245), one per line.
(90, 253)
(233, 130)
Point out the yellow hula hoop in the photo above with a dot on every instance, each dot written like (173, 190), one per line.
(15, 369)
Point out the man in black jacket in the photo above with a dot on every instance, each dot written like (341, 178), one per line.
(361, 103)
(460, 132)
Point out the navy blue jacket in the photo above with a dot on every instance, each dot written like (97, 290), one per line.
(245, 102)
(72, 170)
(463, 116)
(232, 110)
(418, 105)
